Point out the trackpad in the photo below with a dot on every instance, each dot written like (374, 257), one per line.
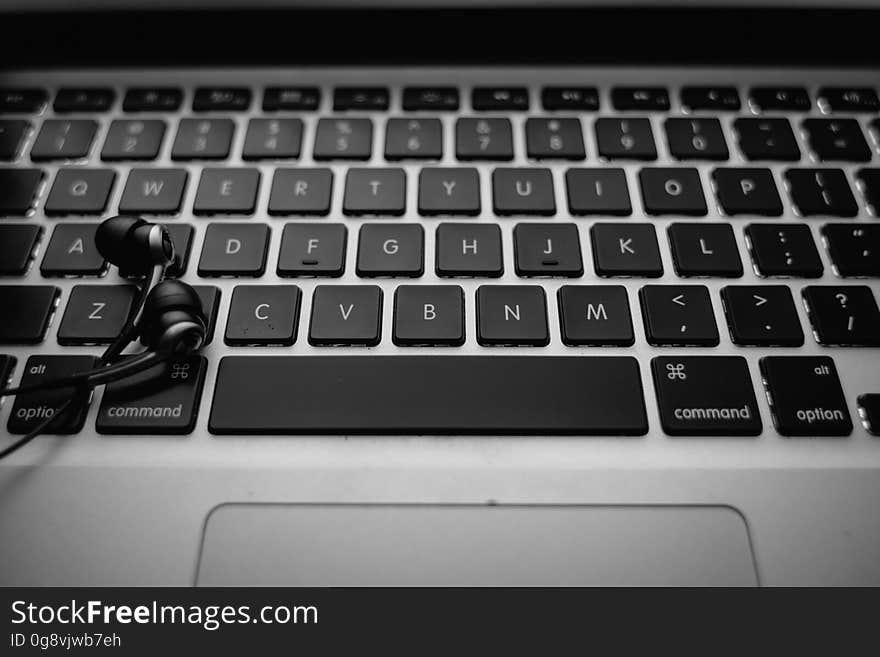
(503, 545)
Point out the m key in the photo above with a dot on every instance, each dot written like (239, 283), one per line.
(844, 315)
(678, 316)
(596, 315)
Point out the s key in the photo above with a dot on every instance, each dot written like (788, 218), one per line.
(844, 315)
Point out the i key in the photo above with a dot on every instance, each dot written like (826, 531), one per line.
(705, 250)
(678, 316)
(595, 315)
(428, 315)
(855, 250)
(512, 315)
(762, 316)
(597, 191)
(626, 250)
(844, 315)
(95, 314)
(547, 250)
(263, 315)
(346, 315)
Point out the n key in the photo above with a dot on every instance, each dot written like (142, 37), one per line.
(512, 315)
(346, 315)
(678, 316)
(626, 250)
(845, 315)
(95, 314)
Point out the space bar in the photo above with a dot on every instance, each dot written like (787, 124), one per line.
(415, 395)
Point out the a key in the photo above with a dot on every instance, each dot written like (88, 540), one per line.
(821, 192)
(234, 250)
(597, 191)
(343, 139)
(269, 139)
(374, 191)
(80, 191)
(626, 250)
(696, 139)
(153, 191)
(152, 99)
(346, 315)
(133, 139)
(203, 139)
(428, 315)
(360, 98)
(83, 100)
(413, 139)
(837, 140)
(646, 99)
(391, 250)
(60, 139)
(182, 239)
(595, 315)
(17, 245)
(747, 191)
(95, 314)
(469, 250)
(547, 250)
(869, 409)
(72, 252)
(11, 136)
(22, 100)
(497, 99)
(570, 98)
(560, 139)
(163, 400)
(795, 99)
(301, 192)
(784, 250)
(805, 396)
(710, 98)
(705, 250)
(312, 250)
(843, 315)
(678, 316)
(449, 191)
(762, 316)
(706, 396)
(849, 99)
(27, 310)
(430, 98)
(483, 139)
(210, 298)
(869, 181)
(767, 139)
(625, 139)
(291, 99)
(512, 315)
(263, 315)
(20, 188)
(854, 249)
(227, 191)
(32, 409)
(523, 191)
(672, 191)
(214, 99)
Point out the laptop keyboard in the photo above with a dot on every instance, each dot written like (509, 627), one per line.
(455, 258)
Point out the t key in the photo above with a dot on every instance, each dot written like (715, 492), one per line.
(845, 315)
(678, 316)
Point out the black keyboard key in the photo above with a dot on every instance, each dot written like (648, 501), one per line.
(346, 315)
(263, 315)
(153, 191)
(182, 239)
(570, 98)
(784, 250)
(844, 315)
(823, 192)
(152, 99)
(837, 140)
(268, 139)
(213, 99)
(854, 249)
(849, 99)
(449, 191)
(483, 139)
(523, 191)
(374, 191)
(163, 400)
(27, 310)
(512, 315)
(705, 250)
(63, 140)
(32, 409)
(696, 139)
(762, 316)
(291, 99)
(20, 188)
(391, 250)
(133, 139)
(203, 139)
(796, 99)
(767, 139)
(80, 191)
(710, 98)
(626, 250)
(21, 100)
(869, 409)
(553, 138)
(747, 191)
(869, 182)
(706, 396)
(301, 192)
(227, 191)
(312, 250)
(12, 134)
(678, 316)
(597, 192)
(17, 245)
(413, 139)
(72, 252)
(547, 250)
(343, 139)
(672, 191)
(496, 99)
(625, 139)
(469, 250)
(83, 100)
(430, 98)
(234, 250)
(595, 315)
(95, 314)
(428, 315)
(360, 98)
(646, 99)
(210, 298)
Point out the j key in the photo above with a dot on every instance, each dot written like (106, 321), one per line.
(469, 250)
(696, 139)
(762, 316)
(360, 98)
(821, 192)
(268, 139)
(784, 250)
(210, 298)
(312, 250)
(869, 409)
(837, 140)
(11, 135)
(152, 99)
(153, 191)
(428, 315)
(181, 237)
(23, 101)
(449, 191)
(63, 140)
(31, 409)
(672, 191)
(706, 396)
(844, 315)
(346, 315)
(375, 191)
(523, 191)
(570, 98)
(595, 315)
(678, 316)
(83, 100)
(554, 139)
(19, 190)
(491, 99)
(849, 99)
(26, 311)
(855, 250)
(597, 191)
(291, 99)
(344, 139)
(648, 99)
(301, 191)
(705, 250)
(747, 191)
(72, 252)
(869, 181)
(430, 98)
(234, 250)
(626, 250)
(80, 191)
(767, 139)
(547, 250)
(710, 98)
(413, 139)
(203, 139)
(95, 314)
(133, 140)
(212, 99)
(796, 99)
(161, 400)
(631, 139)
(483, 139)
(263, 315)
(806, 396)
(17, 244)
(227, 191)
(512, 315)
(391, 250)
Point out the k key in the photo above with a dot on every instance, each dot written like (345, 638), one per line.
(428, 315)
(762, 316)
(95, 314)
(678, 316)
(854, 249)
(845, 315)
(705, 250)
(626, 250)
(547, 250)
(512, 315)
(595, 315)
(346, 315)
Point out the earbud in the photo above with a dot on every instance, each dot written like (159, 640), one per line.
(173, 322)
(133, 243)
